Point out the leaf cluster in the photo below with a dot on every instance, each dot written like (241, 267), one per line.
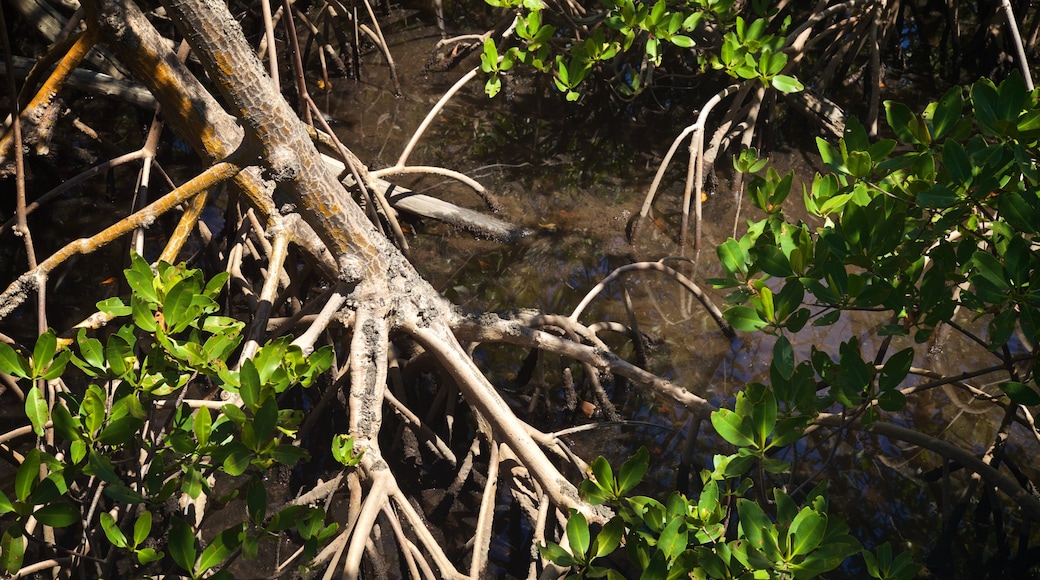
(131, 431)
(627, 40)
(940, 219)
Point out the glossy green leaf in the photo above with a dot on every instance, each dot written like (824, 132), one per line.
(250, 547)
(121, 431)
(265, 420)
(112, 531)
(633, 470)
(806, 531)
(202, 425)
(13, 363)
(146, 556)
(783, 357)
(36, 410)
(733, 428)
(733, 257)
(101, 467)
(947, 112)
(900, 118)
(114, 307)
(673, 539)
(43, 352)
(578, 534)
(6, 506)
(221, 547)
(256, 501)
(28, 474)
(1020, 393)
(91, 350)
(142, 527)
(557, 555)
(181, 543)
(786, 84)
(288, 454)
(175, 305)
(250, 386)
(744, 318)
(609, 537)
(60, 514)
(12, 550)
(141, 279)
(754, 523)
(895, 370)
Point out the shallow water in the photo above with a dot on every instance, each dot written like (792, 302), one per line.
(579, 202)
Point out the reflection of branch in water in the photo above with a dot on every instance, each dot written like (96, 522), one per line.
(713, 310)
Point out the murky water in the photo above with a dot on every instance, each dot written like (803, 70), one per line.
(579, 203)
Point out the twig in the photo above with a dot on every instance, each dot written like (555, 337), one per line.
(698, 128)
(1023, 63)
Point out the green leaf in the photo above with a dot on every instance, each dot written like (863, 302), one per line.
(146, 556)
(633, 470)
(947, 112)
(36, 410)
(113, 307)
(237, 460)
(900, 117)
(221, 547)
(141, 278)
(144, 317)
(763, 412)
(216, 284)
(250, 387)
(754, 523)
(101, 467)
(733, 428)
(28, 474)
(895, 370)
(892, 401)
(343, 450)
(256, 501)
(59, 514)
(557, 555)
(112, 531)
(265, 420)
(288, 454)
(578, 534)
(175, 305)
(142, 527)
(744, 318)
(783, 357)
(673, 540)
(1018, 393)
(786, 84)
(91, 350)
(202, 425)
(13, 363)
(733, 257)
(12, 550)
(806, 531)
(603, 475)
(182, 544)
(121, 431)
(6, 506)
(43, 352)
(682, 41)
(609, 537)
(250, 547)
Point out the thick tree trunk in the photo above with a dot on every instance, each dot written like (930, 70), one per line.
(386, 293)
